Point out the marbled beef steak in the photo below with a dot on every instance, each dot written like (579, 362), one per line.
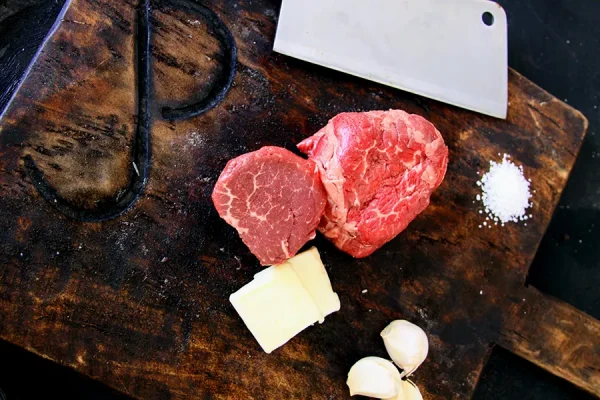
(274, 199)
(379, 169)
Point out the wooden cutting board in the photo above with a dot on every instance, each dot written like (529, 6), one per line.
(140, 301)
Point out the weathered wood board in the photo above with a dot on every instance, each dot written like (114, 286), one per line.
(140, 302)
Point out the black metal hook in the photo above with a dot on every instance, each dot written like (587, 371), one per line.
(225, 79)
(138, 174)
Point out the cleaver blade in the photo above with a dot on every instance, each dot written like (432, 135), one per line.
(454, 51)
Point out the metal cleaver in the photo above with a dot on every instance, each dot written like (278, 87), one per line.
(454, 51)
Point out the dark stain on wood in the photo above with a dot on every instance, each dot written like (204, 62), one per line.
(140, 302)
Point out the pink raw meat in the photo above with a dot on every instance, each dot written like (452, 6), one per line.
(379, 169)
(274, 199)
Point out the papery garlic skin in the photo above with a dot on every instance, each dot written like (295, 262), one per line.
(374, 377)
(406, 344)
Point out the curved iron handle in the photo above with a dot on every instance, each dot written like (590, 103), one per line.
(220, 88)
(138, 174)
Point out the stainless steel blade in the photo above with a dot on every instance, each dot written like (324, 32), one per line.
(440, 49)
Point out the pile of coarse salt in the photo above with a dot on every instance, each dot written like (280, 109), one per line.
(504, 193)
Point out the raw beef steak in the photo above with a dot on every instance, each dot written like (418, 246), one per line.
(379, 169)
(274, 199)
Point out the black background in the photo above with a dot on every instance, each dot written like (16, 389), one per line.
(554, 43)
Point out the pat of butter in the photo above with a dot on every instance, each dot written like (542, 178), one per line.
(284, 299)
(311, 272)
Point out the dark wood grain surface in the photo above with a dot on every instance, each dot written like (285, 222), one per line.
(20, 40)
(141, 301)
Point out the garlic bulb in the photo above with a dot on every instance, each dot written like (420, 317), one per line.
(374, 377)
(406, 344)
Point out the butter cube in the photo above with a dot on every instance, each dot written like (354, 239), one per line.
(284, 299)
(311, 272)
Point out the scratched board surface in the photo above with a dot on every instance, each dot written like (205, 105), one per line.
(139, 300)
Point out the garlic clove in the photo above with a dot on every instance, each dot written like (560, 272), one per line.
(411, 391)
(400, 394)
(374, 377)
(406, 344)
(407, 391)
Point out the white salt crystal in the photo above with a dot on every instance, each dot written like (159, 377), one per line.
(505, 192)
